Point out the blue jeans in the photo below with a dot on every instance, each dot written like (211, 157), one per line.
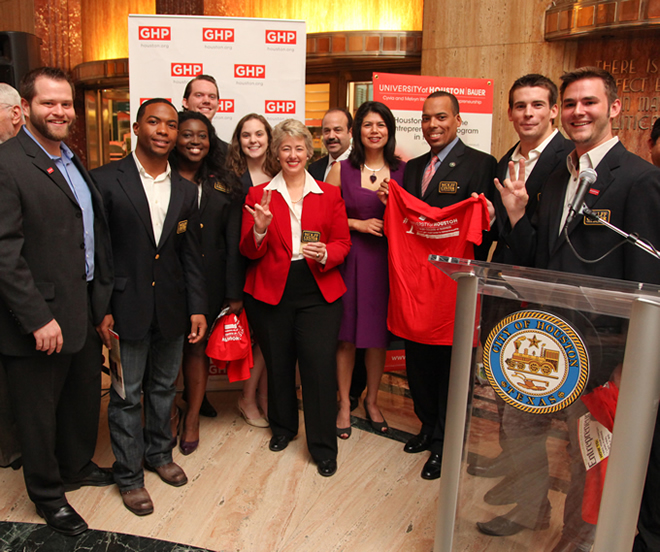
(151, 366)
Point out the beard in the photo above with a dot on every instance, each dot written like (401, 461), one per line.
(56, 134)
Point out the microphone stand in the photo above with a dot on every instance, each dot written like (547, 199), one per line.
(630, 238)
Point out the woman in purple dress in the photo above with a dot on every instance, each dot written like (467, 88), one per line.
(364, 322)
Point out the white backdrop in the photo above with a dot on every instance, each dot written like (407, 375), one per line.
(259, 64)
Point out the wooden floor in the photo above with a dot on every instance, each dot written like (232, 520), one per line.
(243, 497)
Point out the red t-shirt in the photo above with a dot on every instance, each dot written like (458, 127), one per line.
(423, 298)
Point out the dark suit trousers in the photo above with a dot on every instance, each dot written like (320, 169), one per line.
(428, 378)
(56, 401)
(303, 327)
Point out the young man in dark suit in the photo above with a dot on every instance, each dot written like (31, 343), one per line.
(627, 190)
(450, 173)
(55, 284)
(159, 296)
(541, 150)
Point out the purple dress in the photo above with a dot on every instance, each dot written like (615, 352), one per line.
(364, 321)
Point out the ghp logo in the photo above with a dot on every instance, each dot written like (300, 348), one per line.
(187, 69)
(280, 106)
(155, 33)
(243, 71)
(280, 37)
(226, 106)
(536, 362)
(218, 35)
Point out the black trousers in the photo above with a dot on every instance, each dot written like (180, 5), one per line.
(303, 327)
(56, 401)
(428, 378)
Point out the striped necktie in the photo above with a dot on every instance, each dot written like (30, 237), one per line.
(428, 174)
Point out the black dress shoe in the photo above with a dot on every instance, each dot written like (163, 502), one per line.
(504, 526)
(433, 467)
(64, 520)
(490, 467)
(98, 477)
(418, 443)
(278, 443)
(327, 467)
(207, 409)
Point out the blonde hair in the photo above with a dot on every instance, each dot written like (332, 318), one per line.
(295, 129)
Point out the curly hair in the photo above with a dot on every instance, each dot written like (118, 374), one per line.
(236, 161)
(212, 166)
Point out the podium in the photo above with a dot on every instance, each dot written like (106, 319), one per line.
(552, 340)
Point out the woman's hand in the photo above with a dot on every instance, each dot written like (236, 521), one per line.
(370, 226)
(261, 213)
(314, 250)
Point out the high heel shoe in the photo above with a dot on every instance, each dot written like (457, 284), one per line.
(341, 431)
(256, 422)
(186, 447)
(378, 427)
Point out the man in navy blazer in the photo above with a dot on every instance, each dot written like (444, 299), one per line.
(627, 193)
(541, 150)
(450, 173)
(336, 129)
(55, 284)
(159, 297)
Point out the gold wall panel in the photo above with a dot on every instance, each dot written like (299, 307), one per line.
(348, 15)
(483, 43)
(17, 15)
(105, 26)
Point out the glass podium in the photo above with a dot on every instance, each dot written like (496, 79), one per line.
(533, 450)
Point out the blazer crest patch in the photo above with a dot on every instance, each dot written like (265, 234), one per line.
(221, 187)
(182, 227)
(600, 213)
(447, 187)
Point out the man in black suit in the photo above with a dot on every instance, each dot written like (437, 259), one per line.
(336, 131)
(55, 285)
(627, 193)
(541, 149)
(451, 172)
(654, 143)
(159, 294)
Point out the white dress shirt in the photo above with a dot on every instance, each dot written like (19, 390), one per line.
(158, 191)
(332, 161)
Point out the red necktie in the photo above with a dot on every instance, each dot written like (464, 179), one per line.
(428, 174)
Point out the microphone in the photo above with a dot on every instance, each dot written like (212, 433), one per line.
(585, 179)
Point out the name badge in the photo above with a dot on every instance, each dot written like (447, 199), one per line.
(309, 236)
(182, 227)
(446, 187)
(601, 213)
(221, 187)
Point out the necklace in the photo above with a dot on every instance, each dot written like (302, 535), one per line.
(372, 177)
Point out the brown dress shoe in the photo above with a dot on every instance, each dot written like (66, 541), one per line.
(171, 473)
(138, 501)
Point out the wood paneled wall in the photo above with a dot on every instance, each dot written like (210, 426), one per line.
(17, 15)
(497, 39)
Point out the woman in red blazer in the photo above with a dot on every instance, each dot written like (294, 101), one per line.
(295, 232)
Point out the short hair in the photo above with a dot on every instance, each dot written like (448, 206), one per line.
(27, 87)
(236, 160)
(213, 164)
(357, 155)
(9, 95)
(591, 73)
(295, 129)
(208, 78)
(151, 101)
(346, 112)
(655, 131)
(456, 109)
(535, 80)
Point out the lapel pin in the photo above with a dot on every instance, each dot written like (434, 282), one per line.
(593, 191)
(50, 170)
(452, 164)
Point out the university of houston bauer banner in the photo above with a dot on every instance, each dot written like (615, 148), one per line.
(405, 95)
(259, 64)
